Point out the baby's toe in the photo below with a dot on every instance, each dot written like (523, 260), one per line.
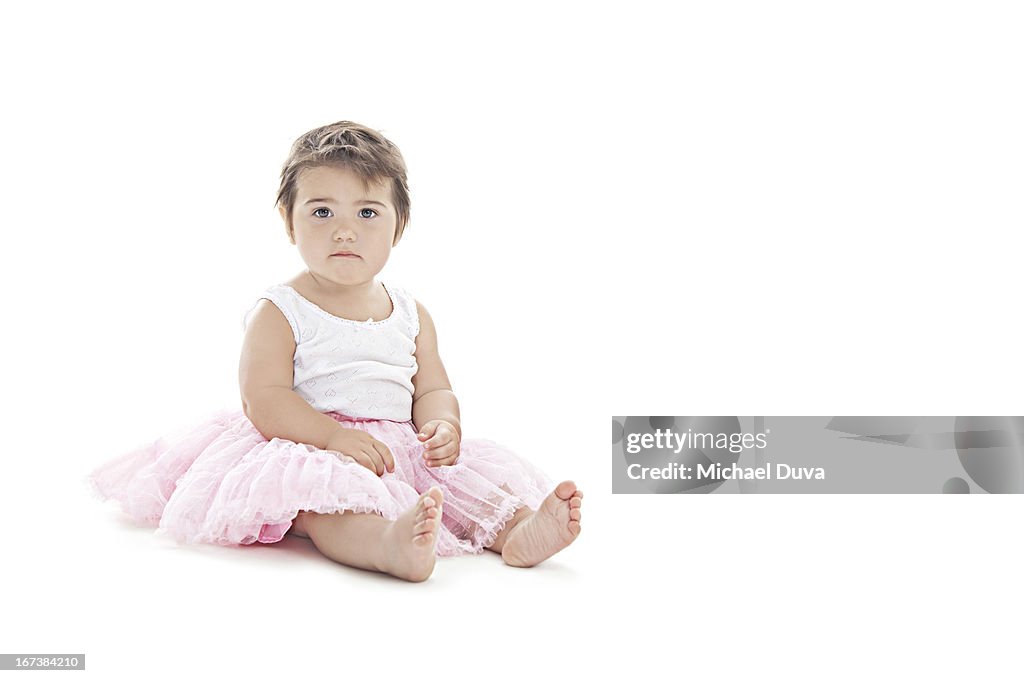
(575, 502)
(574, 527)
(574, 514)
(565, 490)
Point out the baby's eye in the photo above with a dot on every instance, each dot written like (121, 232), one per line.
(322, 208)
(370, 210)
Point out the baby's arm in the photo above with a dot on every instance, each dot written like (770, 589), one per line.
(265, 376)
(433, 398)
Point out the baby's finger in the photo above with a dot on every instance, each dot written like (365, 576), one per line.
(377, 463)
(445, 451)
(385, 454)
(444, 462)
(438, 440)
(434, 452)
(361, 459)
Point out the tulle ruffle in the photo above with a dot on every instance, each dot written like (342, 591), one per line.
(223, 482)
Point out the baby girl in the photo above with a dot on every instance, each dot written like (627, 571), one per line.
(349, 433)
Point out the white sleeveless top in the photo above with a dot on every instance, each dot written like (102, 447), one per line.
(358, 369)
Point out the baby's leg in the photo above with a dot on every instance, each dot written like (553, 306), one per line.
(405, 548)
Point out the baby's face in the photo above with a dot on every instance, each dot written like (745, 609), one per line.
(334, 213)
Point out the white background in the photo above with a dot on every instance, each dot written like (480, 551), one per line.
(792, 208)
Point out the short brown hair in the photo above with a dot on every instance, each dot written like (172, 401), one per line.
(348, 145)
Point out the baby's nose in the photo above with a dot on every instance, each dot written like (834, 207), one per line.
(345, 232)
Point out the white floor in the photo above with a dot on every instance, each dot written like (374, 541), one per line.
(709, 587)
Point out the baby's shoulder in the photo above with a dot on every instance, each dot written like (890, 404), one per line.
(268, 332)
(406, 304)
(271, 317)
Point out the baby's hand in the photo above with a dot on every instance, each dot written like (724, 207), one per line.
(440, 442)
(367, 451)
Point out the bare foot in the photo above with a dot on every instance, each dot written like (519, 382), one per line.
(410, 542)
(552, 527)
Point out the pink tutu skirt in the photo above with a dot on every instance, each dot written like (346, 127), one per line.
(222, 482)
